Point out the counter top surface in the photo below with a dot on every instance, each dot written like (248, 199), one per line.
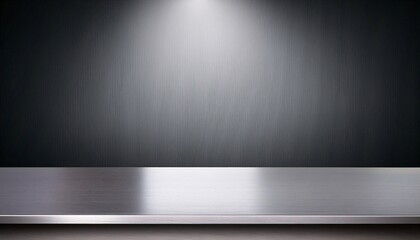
(209, 195)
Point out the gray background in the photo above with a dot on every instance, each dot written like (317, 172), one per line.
(209, 83)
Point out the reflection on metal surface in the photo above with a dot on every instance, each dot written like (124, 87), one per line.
(208, 219)
(209, 195)
(187, 191)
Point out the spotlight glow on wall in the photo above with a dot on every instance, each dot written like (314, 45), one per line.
(212, 81)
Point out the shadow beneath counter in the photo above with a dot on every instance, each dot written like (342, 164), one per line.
(204, 232)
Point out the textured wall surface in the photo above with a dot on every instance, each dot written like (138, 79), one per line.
(209, 83)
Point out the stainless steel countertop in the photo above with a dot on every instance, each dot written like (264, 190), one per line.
(210, 195)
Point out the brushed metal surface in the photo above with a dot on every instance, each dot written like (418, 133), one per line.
(209, 195)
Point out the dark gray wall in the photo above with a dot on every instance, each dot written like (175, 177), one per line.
(209, 83)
